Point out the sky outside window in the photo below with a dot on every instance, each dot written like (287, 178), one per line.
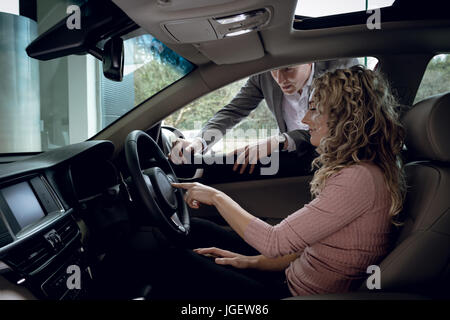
(321, 8)
(9, 6)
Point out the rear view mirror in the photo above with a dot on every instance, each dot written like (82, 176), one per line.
(99, 20)
(113, 59)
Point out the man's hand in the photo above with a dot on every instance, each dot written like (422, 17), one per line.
(182, 149)
(250, 154)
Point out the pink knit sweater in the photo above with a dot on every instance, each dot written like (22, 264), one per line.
(338, 234)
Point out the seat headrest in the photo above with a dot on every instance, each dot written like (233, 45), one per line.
(428, 128)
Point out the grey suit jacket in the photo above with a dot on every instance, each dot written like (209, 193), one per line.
(258, 87)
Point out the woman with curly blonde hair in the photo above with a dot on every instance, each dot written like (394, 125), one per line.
(363, 127)
(326, 246)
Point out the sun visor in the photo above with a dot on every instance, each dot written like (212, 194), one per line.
(244, 48)
(189, 31)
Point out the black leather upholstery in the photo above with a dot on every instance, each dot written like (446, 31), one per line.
(428, 129)
(420, 261)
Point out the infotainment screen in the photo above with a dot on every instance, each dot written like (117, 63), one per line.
(23, 203)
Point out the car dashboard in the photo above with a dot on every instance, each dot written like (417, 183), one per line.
(43, 235)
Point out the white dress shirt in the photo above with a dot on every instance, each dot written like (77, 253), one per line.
(294, 107)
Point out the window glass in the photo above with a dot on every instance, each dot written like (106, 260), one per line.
(191, 118)
(260, 123)
(436, 78)
(368, 62)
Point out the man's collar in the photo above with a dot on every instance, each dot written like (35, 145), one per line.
(311, 76)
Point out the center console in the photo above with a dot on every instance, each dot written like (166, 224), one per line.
(40, 242)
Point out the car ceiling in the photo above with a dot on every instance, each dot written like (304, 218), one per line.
(278, 39)
(223, 61)
(153, 15)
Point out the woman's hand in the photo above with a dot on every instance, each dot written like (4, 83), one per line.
(197, 193)
(225, 257)
(240, 261)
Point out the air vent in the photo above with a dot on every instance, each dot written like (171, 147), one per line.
(67, 230)
(5, 236)
(31, 255)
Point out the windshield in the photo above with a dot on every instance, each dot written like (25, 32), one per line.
(49, 104)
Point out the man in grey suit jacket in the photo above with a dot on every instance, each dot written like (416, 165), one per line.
(286, 92)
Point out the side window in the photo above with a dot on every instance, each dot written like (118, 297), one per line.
(193, 117)
(259, 124)
(436, 78)
(368, 62)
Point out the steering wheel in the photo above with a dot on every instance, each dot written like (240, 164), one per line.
(153, 186)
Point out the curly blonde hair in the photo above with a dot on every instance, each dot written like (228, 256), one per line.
(363, 126)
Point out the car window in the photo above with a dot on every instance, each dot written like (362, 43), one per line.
(260, 123)
(190, 119)
(436, 78)
(48, 104)
(368, 62)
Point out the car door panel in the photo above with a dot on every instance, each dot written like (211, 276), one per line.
(271, 199)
